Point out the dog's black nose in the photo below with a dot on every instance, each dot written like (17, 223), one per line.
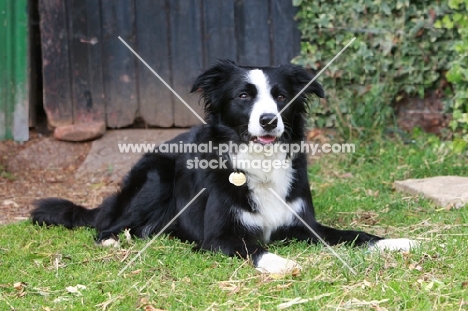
(265, 120)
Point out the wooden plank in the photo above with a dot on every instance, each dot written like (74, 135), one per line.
(119, 76)
(86, 60)
(156, 105)
(219, 31)
(284, 32)
(35, 62)
(252, 32)
(14, 86)
(55, 63)
(20, 71)
(6, 83)
(187, 57)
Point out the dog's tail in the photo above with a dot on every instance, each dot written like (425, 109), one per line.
(56, 211)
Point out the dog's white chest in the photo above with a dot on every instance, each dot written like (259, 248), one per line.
(271, 212)
(271, 215)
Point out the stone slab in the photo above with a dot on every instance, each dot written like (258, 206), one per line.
(81, 131)
(445, 191)
(105, 160)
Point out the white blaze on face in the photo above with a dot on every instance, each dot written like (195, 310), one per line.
(264, 103)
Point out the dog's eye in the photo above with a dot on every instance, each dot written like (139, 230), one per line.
(281, 97)
(244, 95)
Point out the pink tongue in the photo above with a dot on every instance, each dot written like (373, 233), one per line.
(266, 139)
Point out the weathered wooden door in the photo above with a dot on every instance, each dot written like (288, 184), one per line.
(89, 74)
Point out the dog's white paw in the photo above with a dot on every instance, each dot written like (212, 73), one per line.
(394, 245)
(274, 264)
(110, 243)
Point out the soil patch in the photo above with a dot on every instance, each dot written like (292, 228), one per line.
(43, 167)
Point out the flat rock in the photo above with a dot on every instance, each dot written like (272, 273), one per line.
(81, 131)
(105, 160)
(445, 191)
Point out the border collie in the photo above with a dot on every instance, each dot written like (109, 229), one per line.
(243, 208)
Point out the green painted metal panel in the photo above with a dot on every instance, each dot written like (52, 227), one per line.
(14, 82)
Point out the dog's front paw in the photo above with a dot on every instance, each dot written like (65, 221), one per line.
(394, 245)
(274, 264)
(111, 242)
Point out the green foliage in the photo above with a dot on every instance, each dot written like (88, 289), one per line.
(458, 73)
(397, 51)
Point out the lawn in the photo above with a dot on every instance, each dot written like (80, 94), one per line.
(58, 269)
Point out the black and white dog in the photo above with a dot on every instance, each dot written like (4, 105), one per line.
(243, 207)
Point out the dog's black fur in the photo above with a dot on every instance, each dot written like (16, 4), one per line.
(160, 184)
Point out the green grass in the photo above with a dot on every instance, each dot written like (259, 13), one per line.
(5, 174)
(40, 268)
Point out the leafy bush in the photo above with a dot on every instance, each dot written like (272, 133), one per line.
(458, 73)
(397, 52)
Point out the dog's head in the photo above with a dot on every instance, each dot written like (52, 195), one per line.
(249, 100)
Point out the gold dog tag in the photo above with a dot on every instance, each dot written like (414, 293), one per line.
(237, 178)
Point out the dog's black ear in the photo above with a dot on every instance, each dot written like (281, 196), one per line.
(212, 78)
(302, 77)
(210, 84)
